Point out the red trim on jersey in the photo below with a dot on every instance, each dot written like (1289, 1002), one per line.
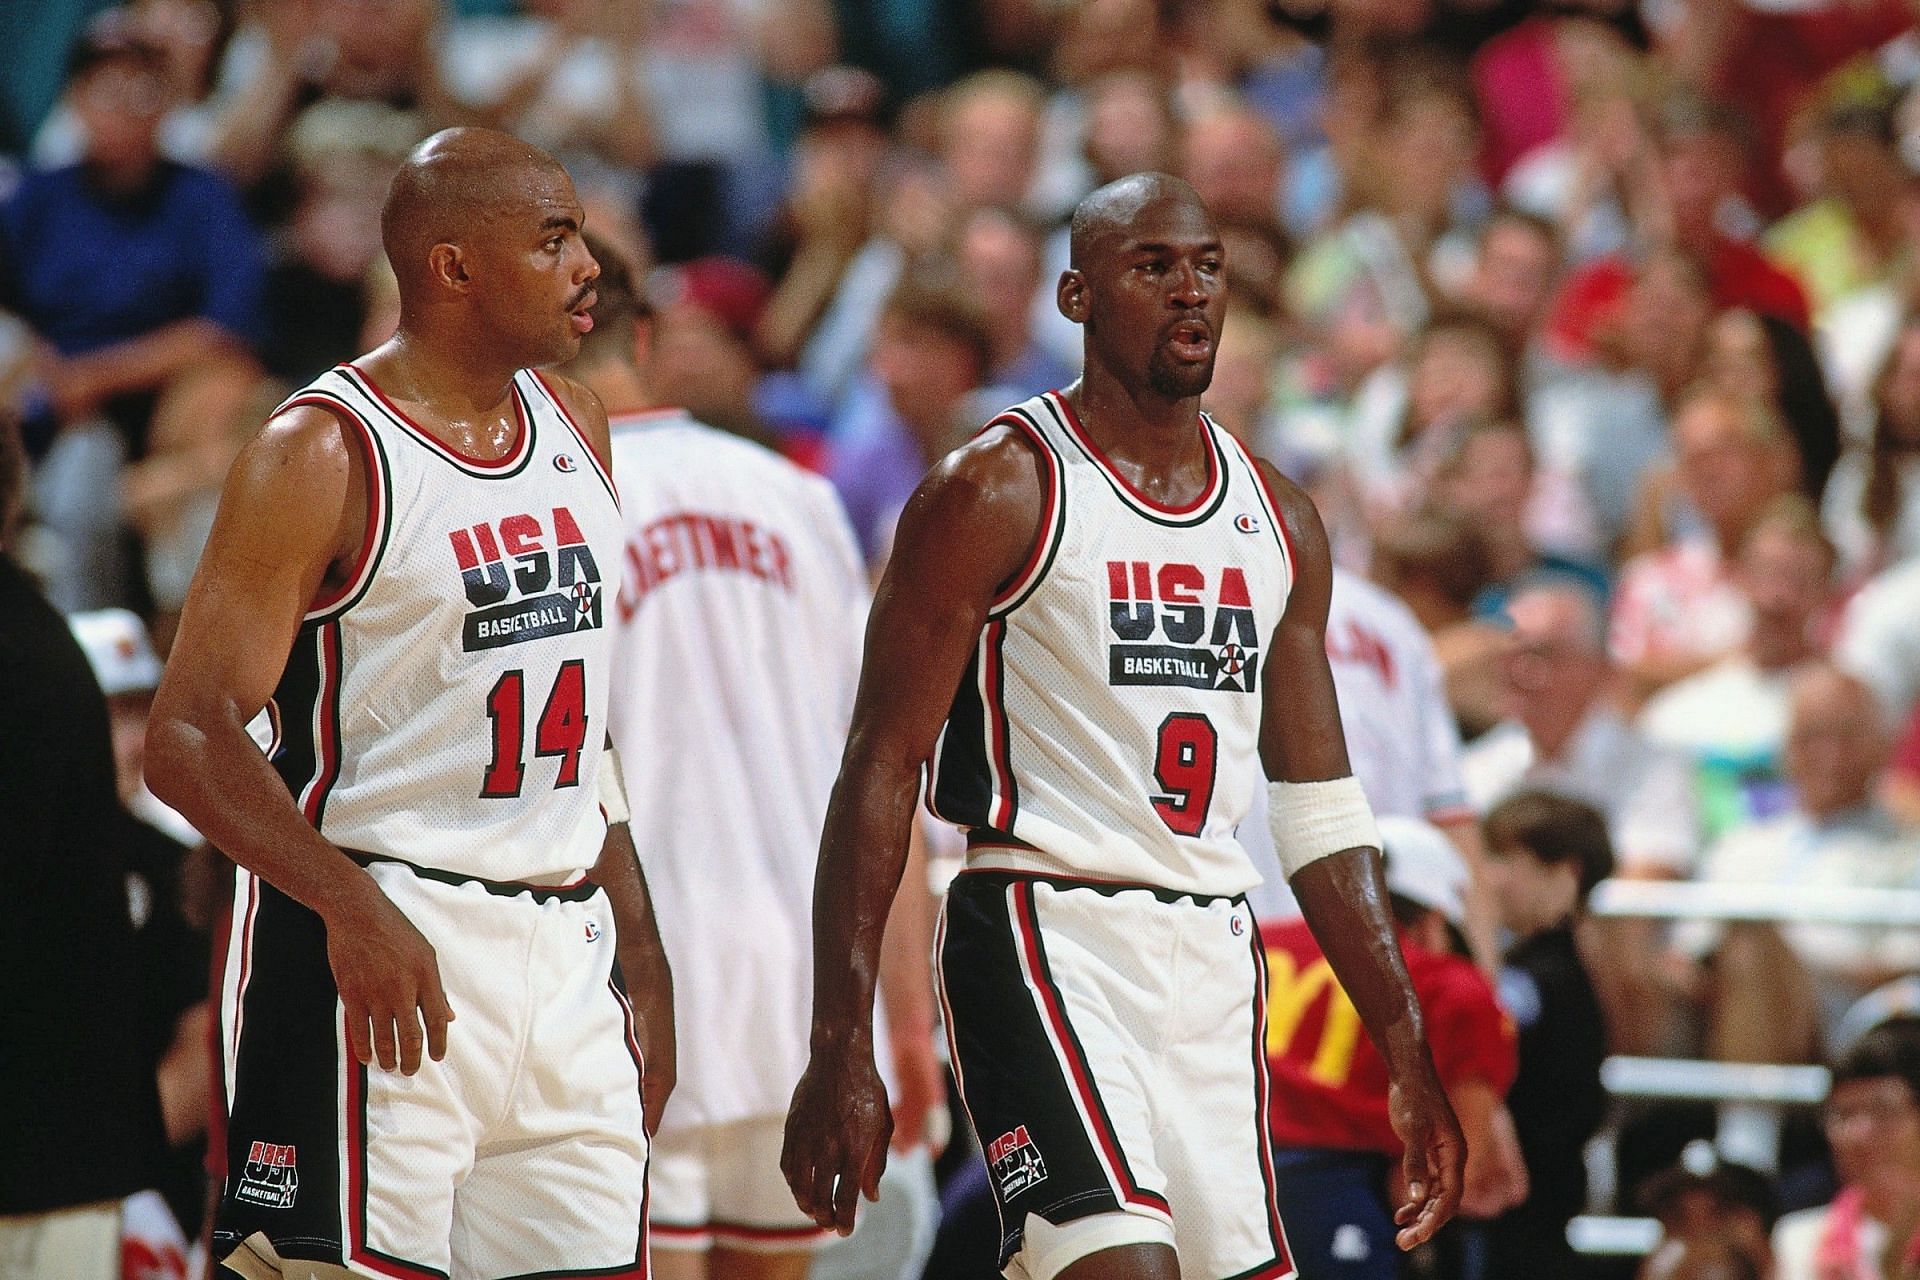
(997, 745)
(427, 437)
(1026, 923)
(376, 498)
(326, 708)
(642, 1265)
(1273, 507)
(1216, 465)
(604, 464)
(1037, 556)
(1262, 1086)
(767, 1235)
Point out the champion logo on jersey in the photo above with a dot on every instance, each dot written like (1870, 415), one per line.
(544, 593)
(1015, 1162)
(592, 931)
(271, 1176)
(1247, 522)
(564, 462)
(1175, 625)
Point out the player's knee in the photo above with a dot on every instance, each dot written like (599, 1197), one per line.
(1103, 1246)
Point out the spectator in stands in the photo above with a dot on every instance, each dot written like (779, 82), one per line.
(1872, 503)
(142, 277)
(1334, 1152)
(1879, 643)
(930, 357)
(1605, 421)
(1854, 232)
(1763, 358)
(1490, 480)
(998, 260)
(1872, 1227)
(1731, 718)
(919, 205)
(1408, 420)
(1515, 269)
(1710, 1211)
(828, 210)
(1562, 735)
(1545, 853)
(1436, 563)
(1679, 608)
(1234, 158)
(1767, 993)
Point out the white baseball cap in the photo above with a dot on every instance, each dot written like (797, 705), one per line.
(117, 648)
(1424, 867)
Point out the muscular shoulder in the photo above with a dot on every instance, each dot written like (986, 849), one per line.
(978, 509)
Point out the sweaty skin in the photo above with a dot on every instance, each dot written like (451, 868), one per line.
(483, 294)
(1148, 287)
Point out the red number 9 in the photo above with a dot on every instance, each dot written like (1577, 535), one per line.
(1184, 769)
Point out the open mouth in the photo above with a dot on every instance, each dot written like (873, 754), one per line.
(1190, 340)
(581, 313)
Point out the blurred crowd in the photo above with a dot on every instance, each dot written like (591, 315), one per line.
(1593, 327)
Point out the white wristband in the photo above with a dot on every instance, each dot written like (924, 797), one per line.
(1314, 820)
(613, 787)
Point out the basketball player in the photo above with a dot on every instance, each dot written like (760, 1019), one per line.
(736, 653)
(411, 574)
(1101, 619)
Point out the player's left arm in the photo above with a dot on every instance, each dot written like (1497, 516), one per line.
(1344, 894)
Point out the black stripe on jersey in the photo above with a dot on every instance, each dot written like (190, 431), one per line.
(359, 382)
(1011, 1078)
(298, 759)
(1216, 459)
(962, 787)
(286, 1091)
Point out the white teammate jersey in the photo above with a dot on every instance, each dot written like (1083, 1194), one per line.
(1108, 724)
(1401, 736)
(446, 707)
(741, 605)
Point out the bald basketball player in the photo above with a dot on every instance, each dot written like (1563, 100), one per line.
(387, 703)
(1102, 627)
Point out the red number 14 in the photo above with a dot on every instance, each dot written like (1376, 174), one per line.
(561, 730)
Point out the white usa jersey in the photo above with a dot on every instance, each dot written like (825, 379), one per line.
(447, 705)
(1108, 724)
(741, 603)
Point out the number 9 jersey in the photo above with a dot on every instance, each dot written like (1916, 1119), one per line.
(446, 706)
(1107, 726)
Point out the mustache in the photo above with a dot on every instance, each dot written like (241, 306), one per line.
(586, 290)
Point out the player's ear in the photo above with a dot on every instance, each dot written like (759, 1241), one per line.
(1070, 295)
(447, 264)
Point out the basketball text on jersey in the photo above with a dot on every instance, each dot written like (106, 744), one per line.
(698, 541)
(1203, 623)
(545, 594)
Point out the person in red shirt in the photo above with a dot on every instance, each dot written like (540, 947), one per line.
(1334, 1148)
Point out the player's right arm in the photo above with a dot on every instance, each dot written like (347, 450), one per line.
(290, 520)
(964, 534)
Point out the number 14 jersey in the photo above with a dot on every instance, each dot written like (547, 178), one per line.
(447, 705)
(1107, 727)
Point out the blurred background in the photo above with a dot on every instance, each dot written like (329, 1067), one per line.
(1592, 326)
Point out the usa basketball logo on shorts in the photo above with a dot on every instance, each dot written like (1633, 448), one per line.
(1015, 1162)
(542, 593)
(271, 1177)
(1174, 624)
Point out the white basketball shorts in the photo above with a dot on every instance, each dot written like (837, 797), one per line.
(1109, 1045)
(720, 1184)
(525, 1151)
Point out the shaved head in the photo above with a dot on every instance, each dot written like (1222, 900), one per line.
(1110, 212)
(454, 184)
